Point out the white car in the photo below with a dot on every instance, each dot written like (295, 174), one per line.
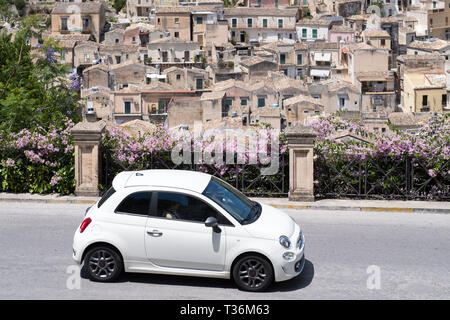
(187, 223)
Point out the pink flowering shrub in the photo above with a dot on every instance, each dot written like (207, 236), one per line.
(38, 161)
(390, 165)
(208, 153)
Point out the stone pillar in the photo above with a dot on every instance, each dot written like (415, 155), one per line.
(301, 166)
(87, 137)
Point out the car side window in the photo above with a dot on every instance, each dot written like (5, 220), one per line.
(180, 206)
(136, 203)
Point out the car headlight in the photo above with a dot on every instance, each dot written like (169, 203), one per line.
(285, 242)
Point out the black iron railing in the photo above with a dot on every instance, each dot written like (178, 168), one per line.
(245, 177)
(404, 177)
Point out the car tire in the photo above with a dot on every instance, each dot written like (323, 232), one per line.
(103, 264)
(253, 273)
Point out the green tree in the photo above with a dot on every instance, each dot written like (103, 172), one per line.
(119, 4)
(6, 14)
(35, 90)
(20, 5)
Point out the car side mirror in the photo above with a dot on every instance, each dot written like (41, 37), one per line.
(212, 222)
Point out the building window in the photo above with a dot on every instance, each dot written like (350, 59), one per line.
(249, 22)
(383, 42)
(63, 23)
(243, 101)
(117, 41)
(178, 76)
(199, 20)
(162, 106)
(229, 102)
(264, 23)
(341, 103)
(199, 84)
(85, 23)
(127, 107)
(299, 58)
(282, 58)
(177, 20)
(304, 32)
(425, 100)
(234, 23)
(280, 23)
(314, 33)
(134, 39)
(444, 100)
(261, 102)
(176, 34)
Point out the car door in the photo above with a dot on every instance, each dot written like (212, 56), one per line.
(176, 235)
(127, 222)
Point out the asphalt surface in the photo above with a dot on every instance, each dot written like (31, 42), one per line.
(410, 252)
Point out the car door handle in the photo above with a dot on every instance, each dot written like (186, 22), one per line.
(155, 233)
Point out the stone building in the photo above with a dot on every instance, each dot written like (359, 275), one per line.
(339, 33)
(86, 54)
(79, 18)
(187, 78)
(255, 67)
(313, 29)
(255, 25)
(175, 20)
(167, 52)
(300, 107)
(323, 58)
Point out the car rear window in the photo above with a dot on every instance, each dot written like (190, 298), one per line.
(106, 196)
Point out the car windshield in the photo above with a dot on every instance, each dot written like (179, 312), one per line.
(243, 209)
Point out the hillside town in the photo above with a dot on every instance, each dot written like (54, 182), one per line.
(237, 64)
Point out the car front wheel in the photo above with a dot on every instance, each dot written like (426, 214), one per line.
(103, 264)
(253, 273)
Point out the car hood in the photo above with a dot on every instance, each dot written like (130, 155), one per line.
(271, 224)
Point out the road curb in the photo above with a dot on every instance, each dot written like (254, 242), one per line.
(362, 209)
(93, 200)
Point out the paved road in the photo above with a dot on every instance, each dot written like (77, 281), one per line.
(412, 252)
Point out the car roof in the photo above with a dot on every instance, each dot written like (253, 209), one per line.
(181, 179)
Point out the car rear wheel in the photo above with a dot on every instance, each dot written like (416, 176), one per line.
(103, 264)
(253, 273)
